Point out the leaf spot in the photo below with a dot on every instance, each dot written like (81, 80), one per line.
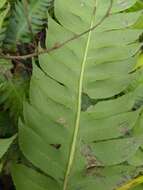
(61, 120)
(90, 157)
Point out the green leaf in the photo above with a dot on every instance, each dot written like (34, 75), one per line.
(3, 24)
(6, 128)
(139, 63)
(13, 92)
(5, 144)
(122, 150)
(13, 89)
(137, 6)
(137, 159)
(109, 127)
(29, 179)
(2, 3)
(139, 187)
(5, 66)
(56, 136)
(123, 5)
(19, 30)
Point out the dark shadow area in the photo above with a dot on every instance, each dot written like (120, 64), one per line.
(6, 183)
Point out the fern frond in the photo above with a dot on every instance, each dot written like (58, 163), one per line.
(4, 11)
(13, 88)
(12, 94)
(5, 66)
(79, 148)
(19, 31)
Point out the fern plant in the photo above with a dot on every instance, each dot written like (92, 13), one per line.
(91, 149)
(27, 19)
(80, 125)
(4, 11)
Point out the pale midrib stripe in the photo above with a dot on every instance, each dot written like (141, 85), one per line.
(77, 121)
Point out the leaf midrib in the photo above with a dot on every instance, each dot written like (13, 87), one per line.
(77, 120)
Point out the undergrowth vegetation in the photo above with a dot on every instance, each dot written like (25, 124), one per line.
(71, 94)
